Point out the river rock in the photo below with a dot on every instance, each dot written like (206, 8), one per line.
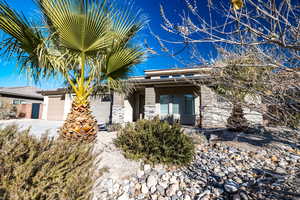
(172, 189)
(144, 189)
(231, 186)
(124, 196)
(151, 181)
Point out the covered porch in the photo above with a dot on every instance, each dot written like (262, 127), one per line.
(167, 99)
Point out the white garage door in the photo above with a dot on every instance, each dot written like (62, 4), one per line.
(100, 109)
(55, 108)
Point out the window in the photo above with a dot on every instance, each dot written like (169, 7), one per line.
(164, 104)
(176, 76)
(17, 101)
(189, 108)
(164, 76)
(175, 105)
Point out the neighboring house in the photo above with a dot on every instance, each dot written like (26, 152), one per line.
(26, 101)
(172, 94)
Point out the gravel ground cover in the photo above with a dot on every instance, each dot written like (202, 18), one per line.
(221, 170)
(258, 166)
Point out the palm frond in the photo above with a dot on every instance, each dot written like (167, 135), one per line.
(120, 86)
(127, 22)
(120, 62)
(81, 25)
(23, 41)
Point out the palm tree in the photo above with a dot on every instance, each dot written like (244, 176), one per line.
(87, 41)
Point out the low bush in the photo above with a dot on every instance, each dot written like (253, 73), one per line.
(43, 168)
(155, 142)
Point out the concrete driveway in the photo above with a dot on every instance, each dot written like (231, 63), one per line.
(38, 127)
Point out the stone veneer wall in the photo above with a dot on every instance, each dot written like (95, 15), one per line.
(150, 100)
(118, 114)
(252, 115)
(150, 111)
(216, 111)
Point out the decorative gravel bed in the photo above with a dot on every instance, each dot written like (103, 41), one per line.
(219, 171)
(229, 169)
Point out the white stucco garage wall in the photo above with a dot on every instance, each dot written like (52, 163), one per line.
(45, 108)
(128, 111)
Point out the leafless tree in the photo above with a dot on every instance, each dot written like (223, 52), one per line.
(268, 23)
(270, 27)
(240, 72)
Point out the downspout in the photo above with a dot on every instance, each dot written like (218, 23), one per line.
(111, 106)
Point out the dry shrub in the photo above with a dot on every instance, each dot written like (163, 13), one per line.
(44, 168)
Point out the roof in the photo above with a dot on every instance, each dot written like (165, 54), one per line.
(58, 91)
(177, 71)
(173, 81)
(140, 83)
(25, 92)
(184, 68)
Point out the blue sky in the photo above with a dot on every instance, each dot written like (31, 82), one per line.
(10, 76)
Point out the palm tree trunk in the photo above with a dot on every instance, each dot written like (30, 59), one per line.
(80, 123)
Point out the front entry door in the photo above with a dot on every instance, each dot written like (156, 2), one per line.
(188, 110)
(35, 111)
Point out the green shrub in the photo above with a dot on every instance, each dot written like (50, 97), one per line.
(43, 168)
(156, 142)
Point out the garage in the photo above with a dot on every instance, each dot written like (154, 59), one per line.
(55, 108)
(58, 103)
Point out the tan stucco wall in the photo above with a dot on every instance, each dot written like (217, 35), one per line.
(176, 90)
(24, 110)
(59, 106)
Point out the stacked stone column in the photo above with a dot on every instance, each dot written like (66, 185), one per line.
(150, 100)
(118, 108)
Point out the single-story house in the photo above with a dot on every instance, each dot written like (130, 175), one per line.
(26, 100)
(172, 94)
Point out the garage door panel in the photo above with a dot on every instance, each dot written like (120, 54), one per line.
(55, 108)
